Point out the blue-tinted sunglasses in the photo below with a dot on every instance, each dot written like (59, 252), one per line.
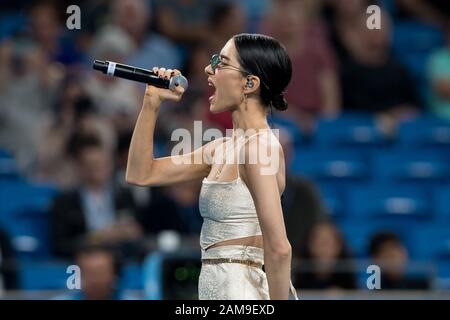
(216, 60)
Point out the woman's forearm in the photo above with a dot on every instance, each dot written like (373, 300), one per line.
(278, 270)
(140, 154)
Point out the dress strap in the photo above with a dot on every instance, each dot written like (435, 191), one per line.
(247, 139)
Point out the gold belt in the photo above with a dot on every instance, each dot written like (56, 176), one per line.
(230, 260)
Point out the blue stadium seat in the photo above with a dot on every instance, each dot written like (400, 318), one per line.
(410, 166)
(425, 133)
(289, 126)
(443, 274)
(431, 241)
(357, 236)
(10, 24)
(23, 214)
(388, 5)
(43, 275)
(413, 41)
(328, 165)
(19, 194)
(52, 275)
(413, 36)
(441, 201)
(444, 267)
(332, 199)
(388, 201)
(8, 166)
(348, 130)
(132, 277)
(359, 233)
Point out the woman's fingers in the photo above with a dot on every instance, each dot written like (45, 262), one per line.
(174, 94)
(168, 73)
(165, 73)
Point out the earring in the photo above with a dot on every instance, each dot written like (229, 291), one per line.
(250, 84)
(245, 101)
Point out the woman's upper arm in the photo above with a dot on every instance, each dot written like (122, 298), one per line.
(181, 168)
(262, 182)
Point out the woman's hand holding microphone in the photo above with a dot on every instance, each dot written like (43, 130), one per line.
(154, 95)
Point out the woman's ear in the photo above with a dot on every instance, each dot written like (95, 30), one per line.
(252, 84)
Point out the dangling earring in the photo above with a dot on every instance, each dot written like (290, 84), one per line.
(245, 101)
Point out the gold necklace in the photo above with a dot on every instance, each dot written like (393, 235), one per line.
(218, 173)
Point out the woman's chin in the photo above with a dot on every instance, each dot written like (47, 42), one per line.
(213, 108)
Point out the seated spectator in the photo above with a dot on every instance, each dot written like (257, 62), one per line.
(324, 263)
(151, 49)
(184, 21)
(227, 19)
(185, 203)
(373, 80)
(8, 264)
(75, 115)
(314, 88)
(47, 33)
(390, 254)
(100, 267)
(343, 21)
(96, 209)
(114, 98)
(33, 65)
(439, 77)
(161, 208)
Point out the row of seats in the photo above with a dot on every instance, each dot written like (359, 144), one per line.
(381, 166)
(24, 215)
(425, 241)
(406, 202)
(53, 275)
(364, 131)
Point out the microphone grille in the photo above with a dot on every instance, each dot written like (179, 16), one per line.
(180, 80)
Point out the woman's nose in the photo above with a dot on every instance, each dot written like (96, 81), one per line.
(208, 70)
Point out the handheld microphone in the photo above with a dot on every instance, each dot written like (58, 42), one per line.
(140, 75)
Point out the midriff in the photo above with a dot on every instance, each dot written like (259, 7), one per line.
(252, 241)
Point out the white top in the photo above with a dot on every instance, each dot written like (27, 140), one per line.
(227, 209)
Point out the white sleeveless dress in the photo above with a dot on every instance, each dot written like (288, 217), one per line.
(229, 212)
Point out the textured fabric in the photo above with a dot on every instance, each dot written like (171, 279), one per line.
(229, 212)
(233, 281)
(227, 208)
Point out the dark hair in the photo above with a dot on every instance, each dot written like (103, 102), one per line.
(219, 12)
(380, 239)
(79, 142)
(344, 252)
(266, 58)
(87, 247)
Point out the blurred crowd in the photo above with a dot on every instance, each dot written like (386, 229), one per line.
(70, 126)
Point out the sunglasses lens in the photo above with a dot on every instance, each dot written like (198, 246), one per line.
(215, 60)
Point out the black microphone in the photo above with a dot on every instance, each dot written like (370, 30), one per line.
(139, 75)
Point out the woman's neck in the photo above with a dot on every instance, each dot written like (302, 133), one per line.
(253, 116)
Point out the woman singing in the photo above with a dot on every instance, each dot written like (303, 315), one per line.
(243, 227)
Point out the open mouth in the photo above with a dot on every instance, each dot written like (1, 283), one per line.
(212, 90)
